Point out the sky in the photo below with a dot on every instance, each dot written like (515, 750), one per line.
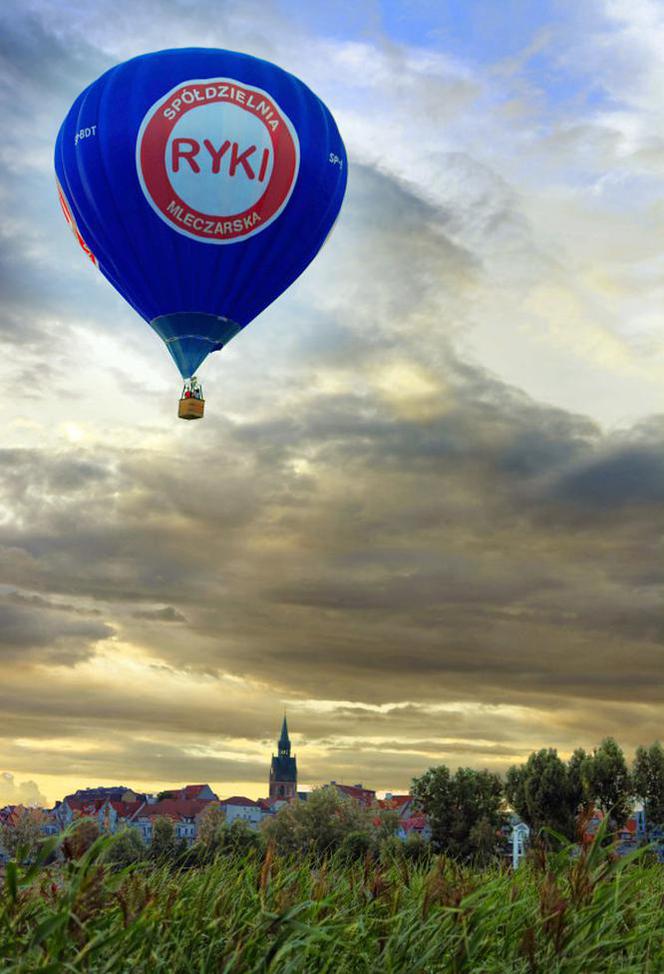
(423, 514)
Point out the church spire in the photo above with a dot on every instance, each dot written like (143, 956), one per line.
(284, 740)
(283, 770)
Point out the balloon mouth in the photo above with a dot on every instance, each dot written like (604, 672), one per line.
(191, 336)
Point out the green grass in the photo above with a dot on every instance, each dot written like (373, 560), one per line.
(261, 913)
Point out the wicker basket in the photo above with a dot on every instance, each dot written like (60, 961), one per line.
(191, 408)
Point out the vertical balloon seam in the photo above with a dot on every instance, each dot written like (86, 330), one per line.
(95, 241)
(133, 248)
(303, 262)
(65, 184)
(177, 250)
(277, 249)
(261, 80)
(181, 303)
(168, 239)
(91, 240)
(107, 266)
(340, 189)
(335, 198)
(176, 247)
(220, 258)
(299, 93)
(234, 289)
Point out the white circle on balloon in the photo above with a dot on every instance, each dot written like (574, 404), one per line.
(190, 164)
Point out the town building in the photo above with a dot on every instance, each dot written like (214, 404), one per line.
(118, 793)
(240, 809)
(185, 813)
(365, 797)
(403, 804)
(192, 792)
(283, 769)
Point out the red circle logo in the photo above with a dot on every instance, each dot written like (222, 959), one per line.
(217, 160)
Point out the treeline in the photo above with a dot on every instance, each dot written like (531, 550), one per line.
(326, 824)
(468, 809)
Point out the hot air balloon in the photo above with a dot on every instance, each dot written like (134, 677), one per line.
(201, 183)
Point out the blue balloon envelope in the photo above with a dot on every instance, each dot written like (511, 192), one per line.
(202, 183)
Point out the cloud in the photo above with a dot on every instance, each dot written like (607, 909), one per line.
(30, 634)
(633, 476)
(348, 542)
(166, 614)
(14, 793)
(423, 508)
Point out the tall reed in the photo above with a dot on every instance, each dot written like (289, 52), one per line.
(260, 913)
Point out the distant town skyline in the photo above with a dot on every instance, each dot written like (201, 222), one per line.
(424, 510)
(281, 785)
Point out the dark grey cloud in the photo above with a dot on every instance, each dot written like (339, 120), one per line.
(437, 749)
(130, 760)
(166, 614)
(38, 601)
(631, 476)
(31, 634)
(414, 559)
(41, 62)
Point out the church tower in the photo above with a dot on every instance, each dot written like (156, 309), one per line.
(283, 770)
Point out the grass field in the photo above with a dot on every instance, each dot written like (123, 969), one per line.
(260, 913)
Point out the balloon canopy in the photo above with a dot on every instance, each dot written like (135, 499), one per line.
(201, 183)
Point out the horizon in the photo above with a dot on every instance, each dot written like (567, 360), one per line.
(424, 510)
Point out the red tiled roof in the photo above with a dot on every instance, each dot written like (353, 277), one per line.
(11, 814)
(192, 791)
(240, 800)
(87, 806)
(188, 792)
(175, 808)
(396, 801)
(415, 822)
(363, 795)
(126, 809)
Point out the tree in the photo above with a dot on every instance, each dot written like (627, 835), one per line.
(317, 825)
(125, 848)
(482, 838)
(357, 845)
(164, 842)
(24, 836)
(455, 805)
(239, 838)
(389, 821)
(649, 782)
(82, 833)
(546, 793)
(577, 772)
(210, 826)
(609, 781)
